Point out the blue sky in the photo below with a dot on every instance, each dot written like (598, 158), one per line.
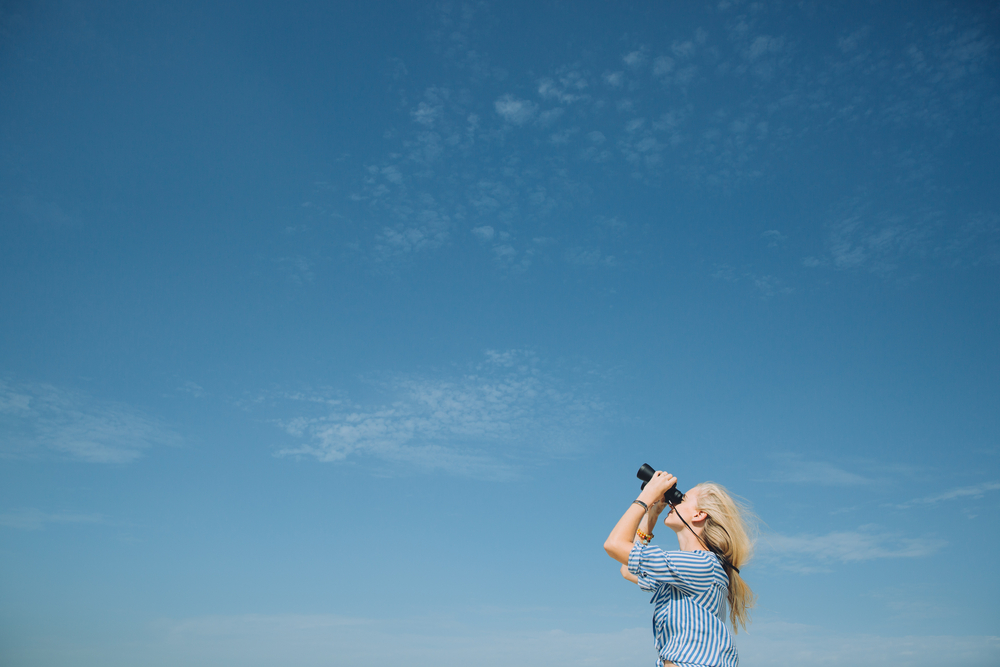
(334, 333)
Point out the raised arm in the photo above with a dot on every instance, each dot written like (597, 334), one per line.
(646, 525)
(619, 542)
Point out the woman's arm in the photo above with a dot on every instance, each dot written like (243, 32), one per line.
(648, 522)
(646, 525)
(619, 542)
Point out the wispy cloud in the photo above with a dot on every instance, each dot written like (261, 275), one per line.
(876, 243)
(523, 155)
(785, 644)
(490, 419)
(514, 110)
(35, 519)
(567, 87)
(807, 553)
(297, 269)
(796, 469)
(193, 388)
(975, 491)
(40, 419)
(475, 638)
(766, 286)
(442, 641)
(773, 237)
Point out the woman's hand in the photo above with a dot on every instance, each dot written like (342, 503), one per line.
(657, 508)
(656, 488)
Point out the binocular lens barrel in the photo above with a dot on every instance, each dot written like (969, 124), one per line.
(646, 472)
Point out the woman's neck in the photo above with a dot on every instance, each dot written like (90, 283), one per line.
(688, 541)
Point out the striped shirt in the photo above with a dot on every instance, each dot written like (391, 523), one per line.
(690, 591)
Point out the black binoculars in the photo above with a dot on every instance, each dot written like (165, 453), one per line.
(672, 496)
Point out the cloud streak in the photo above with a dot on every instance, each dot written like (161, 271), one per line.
(794, 469)
(805, 553)
(975, 491)
(37, 419)
(785, 644)
(488, 420)
(310, 639)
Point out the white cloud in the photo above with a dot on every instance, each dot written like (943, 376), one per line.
(515, 111)
(663, 66)
(813, 553)
(767, 286)
(975, 491)
(862, 237)
(928, 80)
(403, 240)
(774, 238)
(484, 233)
(298, 270)
(762, 45)
(309, 640)
(426, 114)
(683, 49)
(793, 468)
(39, 418)
(635, 124)
(502, 410)
(634, 59)
(563, 136)
(568, 89)
(589, 257)
(193, 388)
(784, 644)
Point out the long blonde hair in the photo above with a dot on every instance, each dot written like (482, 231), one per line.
(730, 531)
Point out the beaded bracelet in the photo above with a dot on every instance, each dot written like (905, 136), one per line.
(643, 536)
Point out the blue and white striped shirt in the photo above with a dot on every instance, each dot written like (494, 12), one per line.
(690, 591)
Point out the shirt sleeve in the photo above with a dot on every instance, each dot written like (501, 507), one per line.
(689, 572)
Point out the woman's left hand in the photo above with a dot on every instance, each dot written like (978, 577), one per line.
(657, 508)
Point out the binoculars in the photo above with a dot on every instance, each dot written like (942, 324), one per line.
(672, 496)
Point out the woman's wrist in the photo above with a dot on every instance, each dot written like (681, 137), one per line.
(647, 499)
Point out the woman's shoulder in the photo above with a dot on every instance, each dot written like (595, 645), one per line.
(700, 559)
(699, 555)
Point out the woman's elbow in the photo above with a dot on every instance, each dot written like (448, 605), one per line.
(614, 549)
(609, 547)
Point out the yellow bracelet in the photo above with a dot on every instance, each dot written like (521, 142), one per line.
(643, 536)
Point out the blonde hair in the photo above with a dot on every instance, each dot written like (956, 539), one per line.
(730, 531)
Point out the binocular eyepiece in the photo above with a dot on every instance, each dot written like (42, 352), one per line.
(646, 472)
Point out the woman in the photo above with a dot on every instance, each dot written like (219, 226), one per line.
(692, 586)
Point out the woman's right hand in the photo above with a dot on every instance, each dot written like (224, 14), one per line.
(657, 487)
